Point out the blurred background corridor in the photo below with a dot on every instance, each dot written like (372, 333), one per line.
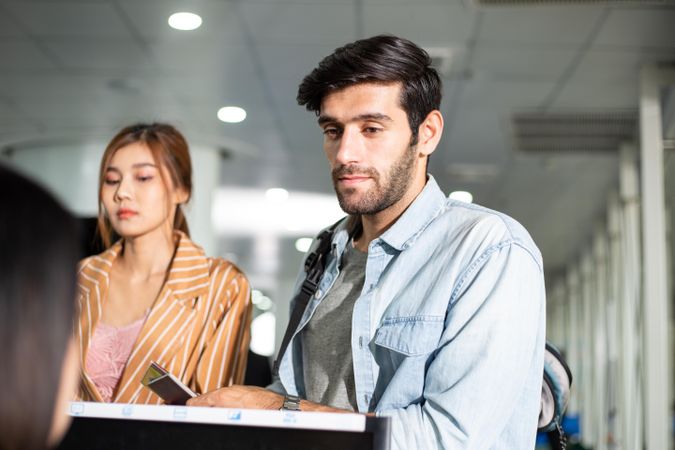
(560, 113)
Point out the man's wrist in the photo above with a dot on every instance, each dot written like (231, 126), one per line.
(290, 403)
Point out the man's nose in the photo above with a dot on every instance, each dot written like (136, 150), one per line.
(350, 147)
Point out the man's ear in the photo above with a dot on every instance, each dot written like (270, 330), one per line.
(430, 132)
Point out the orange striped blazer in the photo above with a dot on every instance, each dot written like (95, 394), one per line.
(198, 328)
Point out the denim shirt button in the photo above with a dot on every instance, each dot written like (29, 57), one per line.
(318, 294)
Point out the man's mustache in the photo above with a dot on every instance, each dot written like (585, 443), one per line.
(353, 169)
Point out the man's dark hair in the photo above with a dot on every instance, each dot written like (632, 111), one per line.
(379, 59)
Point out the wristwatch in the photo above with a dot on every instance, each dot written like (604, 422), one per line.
(291, 403)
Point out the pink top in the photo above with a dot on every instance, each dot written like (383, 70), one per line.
(108, 354)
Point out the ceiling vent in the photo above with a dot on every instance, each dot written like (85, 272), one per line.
(472, 173)
(573, 131)
(488, 3)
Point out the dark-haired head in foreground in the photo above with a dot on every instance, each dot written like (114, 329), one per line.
(39, 250)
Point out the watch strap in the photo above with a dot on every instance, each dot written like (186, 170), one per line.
(291, 403)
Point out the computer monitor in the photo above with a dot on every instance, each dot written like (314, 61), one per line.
(124, 426)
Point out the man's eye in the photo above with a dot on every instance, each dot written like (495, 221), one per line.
(331, 132)
(372, 130)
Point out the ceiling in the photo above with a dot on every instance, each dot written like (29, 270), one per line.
(88, 67)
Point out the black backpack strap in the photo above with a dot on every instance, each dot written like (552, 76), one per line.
(315, 264)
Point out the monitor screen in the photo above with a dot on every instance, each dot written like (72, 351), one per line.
(122, 426)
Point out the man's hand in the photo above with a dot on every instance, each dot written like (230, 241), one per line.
(252, 397)
(246, 397)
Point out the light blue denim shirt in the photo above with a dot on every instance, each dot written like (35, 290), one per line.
(448, 333)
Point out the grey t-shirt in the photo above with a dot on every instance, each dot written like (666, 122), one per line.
(326, 339)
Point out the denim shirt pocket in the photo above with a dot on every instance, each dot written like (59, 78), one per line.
(410, 336)
(402, 349)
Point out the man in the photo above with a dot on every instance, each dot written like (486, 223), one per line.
(430, 311)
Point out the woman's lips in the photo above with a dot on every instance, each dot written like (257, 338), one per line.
(126, 213)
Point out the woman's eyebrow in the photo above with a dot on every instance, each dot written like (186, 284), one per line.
(144, 164)
(135, 166)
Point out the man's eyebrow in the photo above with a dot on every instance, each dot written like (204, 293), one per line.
(367, 116)
(325, 119)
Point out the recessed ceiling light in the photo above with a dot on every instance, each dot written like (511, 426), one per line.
(276, 195)
(462, 196)
(185, 21)
(231, 114)
(303, 244)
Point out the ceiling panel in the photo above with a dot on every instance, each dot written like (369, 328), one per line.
(64, 1)
(521, 63)
(13, 126)
(303, 2)
(460, 3)
(60, 87)
(114, 56)
(426, 24)
(22, 55)
(150, 20)
(68, 18)
(292, 23)
(638, 28)
(540, 26)
(580, 94)
(134, 107)
(503, 95)
(258, 120)
(8, 29)
(617, 65)
(291, 62)
(204, 57)
(6, 108)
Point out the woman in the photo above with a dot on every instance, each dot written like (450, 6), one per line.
(39, 249)
(154, 295)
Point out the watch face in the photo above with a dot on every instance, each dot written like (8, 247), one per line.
(291, 403)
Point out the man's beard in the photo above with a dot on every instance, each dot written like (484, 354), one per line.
(386, 191)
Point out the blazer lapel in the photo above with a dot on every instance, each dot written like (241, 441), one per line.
(93, 282)
(172, 316)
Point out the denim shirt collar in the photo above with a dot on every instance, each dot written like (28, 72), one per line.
(428, 204)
